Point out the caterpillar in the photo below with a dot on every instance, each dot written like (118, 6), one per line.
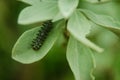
(42, 35)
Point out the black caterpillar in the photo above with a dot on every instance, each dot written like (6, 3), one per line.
(42, 35)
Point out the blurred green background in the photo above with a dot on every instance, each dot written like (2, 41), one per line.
(54, 66)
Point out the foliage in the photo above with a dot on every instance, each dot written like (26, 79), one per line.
(80, 20)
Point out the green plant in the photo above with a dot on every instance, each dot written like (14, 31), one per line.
(79, 18)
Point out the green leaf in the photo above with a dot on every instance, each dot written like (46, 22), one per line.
(31, 2)
(22, 50)
(112, 10)
(58, 17)
(104, 21)
(79, 27)
(80, 59)
(78, 22)
(37, 13)
(67, 7)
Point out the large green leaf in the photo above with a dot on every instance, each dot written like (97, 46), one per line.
(103, 20)
(39, 12)
(79, 27)
(78, 22)
(67, 7)
(58, 17)
(23, 52)
(110, 8)
(80, 59)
